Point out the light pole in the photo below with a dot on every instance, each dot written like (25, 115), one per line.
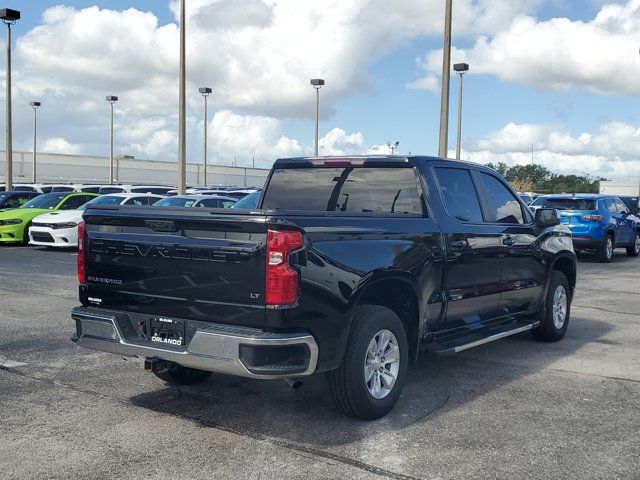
(9, 17)
(35, 106)
(460, 69)
(111, 99)
(392, 146)
(446, 66)
(182, 112)
(316, 83)
(205, 91)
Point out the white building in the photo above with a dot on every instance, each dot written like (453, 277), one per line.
(61, 168)
(623, 188)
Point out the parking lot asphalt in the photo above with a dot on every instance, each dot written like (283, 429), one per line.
(514, 408)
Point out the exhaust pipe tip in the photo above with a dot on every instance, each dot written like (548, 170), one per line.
(294, 383)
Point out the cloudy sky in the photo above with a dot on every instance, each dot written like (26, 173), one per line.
(561, 76)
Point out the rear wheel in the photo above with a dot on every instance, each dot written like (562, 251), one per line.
(634, 250)
(368, 383)
(554, 317)
(179, 375)
(605, 254)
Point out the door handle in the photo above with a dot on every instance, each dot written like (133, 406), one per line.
(509, 241)
(458, 244)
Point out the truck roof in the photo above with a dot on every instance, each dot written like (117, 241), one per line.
(360, 160)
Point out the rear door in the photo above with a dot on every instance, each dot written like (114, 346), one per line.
(472, 286)
(183, 263)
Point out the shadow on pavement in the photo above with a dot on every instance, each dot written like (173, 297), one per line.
(435, 384)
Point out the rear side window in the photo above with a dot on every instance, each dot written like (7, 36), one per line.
(459, 194)
(503, 205)
(348, 190)
(610, 205)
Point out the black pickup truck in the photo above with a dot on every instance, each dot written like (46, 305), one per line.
(349, 266)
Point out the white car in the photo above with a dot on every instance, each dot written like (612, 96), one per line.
(60, 228)
(155, 189)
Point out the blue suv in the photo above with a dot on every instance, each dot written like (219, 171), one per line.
(597, 222)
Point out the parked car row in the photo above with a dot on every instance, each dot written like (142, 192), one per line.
(29, 215)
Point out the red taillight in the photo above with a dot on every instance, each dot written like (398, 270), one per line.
(81, 252)
(282, 279)
(592, 217)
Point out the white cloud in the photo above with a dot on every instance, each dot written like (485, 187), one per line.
(600, 55)
(612, 151)
(59, 145)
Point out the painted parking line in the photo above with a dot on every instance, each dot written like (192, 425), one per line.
(6, 363)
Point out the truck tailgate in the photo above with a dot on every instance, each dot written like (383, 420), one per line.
(205, 265)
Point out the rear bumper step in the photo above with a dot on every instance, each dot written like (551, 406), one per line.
(240, 351)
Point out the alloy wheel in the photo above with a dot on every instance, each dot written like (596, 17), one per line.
(382, 364)
(559, 307)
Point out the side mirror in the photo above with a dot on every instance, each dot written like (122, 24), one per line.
(547, 217)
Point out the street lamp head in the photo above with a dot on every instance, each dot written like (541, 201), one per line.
(317, 83)
(461, 68)
(35, 104)
(205, 90)
(111, 98)
(9, 16)
(397, 143)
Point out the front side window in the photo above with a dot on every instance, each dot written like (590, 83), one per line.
(346, 190)
(459, 194)
(135, 201)
(503, 205)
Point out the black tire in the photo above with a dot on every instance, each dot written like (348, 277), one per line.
(179, 375)
(348, 386)
(548, 330)
(25, 235)
(634, 250)
(605, 255)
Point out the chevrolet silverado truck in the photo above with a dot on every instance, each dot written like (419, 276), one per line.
(347, 266)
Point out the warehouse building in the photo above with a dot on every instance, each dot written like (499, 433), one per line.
(62, 168)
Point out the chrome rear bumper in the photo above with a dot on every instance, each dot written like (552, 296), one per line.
(213, 347)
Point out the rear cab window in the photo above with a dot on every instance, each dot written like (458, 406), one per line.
(351, 189)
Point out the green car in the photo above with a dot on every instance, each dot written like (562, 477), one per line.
(14, 224)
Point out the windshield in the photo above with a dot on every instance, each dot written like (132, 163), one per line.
(62, 189)
(107, 200)
(175, 202)
(569, 203)
(248, 202)
(46, 201)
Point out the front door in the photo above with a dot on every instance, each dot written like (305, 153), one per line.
(522, 272)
